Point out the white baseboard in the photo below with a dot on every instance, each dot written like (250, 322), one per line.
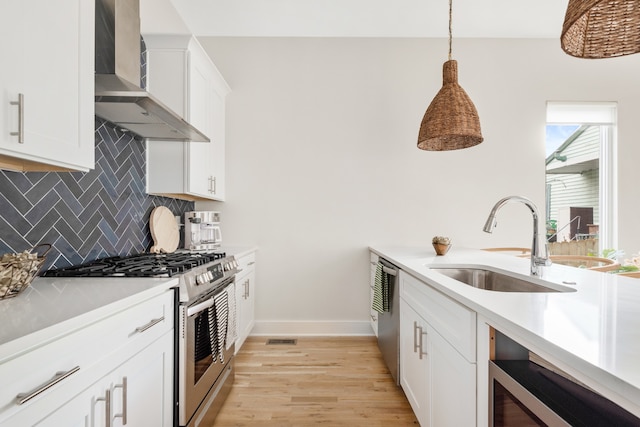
(311, 328)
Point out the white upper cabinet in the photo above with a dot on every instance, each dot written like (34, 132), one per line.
(47, 106)
(181, 75)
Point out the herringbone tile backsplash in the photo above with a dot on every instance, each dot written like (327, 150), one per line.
(85, 216)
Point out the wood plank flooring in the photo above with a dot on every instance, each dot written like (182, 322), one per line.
(329, 381)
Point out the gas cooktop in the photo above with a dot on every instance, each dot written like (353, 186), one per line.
(140, 265)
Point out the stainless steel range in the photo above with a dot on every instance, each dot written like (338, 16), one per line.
(205, 322)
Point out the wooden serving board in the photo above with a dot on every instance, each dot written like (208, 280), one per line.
(164, 230)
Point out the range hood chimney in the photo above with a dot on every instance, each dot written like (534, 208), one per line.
(118, 95)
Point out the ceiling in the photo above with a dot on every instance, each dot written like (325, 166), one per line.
(355, 18)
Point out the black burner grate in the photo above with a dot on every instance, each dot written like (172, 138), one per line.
(140, 265)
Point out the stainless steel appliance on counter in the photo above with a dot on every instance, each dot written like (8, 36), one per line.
(202, 230)
(389, 322)
(204, 371)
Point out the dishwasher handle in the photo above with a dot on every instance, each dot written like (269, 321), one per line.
(391, 271)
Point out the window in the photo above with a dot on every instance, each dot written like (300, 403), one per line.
(581, 173)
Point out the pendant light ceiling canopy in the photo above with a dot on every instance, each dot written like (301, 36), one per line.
(601, 28)
(451, 121)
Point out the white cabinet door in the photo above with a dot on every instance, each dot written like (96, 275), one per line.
(137, 393)
(218, 140)
(439, 382)
(182, 76)
(78, 412)
(414, 363)
(452, 383)
(142, 388)
(245, 298)
(49, 71)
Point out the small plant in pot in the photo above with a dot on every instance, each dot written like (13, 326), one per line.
(441, 244)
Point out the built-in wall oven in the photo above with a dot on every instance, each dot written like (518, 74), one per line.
(205, 326)
(527, 390)
(525, 394)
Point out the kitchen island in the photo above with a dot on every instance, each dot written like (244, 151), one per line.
(591, 332)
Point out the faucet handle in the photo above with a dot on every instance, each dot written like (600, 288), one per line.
(545, 259)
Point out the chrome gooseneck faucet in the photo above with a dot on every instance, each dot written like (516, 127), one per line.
(537, 259)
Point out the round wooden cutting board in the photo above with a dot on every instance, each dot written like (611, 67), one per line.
(164, 230)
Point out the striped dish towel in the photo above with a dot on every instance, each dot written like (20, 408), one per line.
(380, 290)
(222, 316)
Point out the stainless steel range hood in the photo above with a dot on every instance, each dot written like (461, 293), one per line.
(118, 95)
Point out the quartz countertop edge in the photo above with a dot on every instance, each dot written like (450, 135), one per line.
(238, 251)
(51, 308)
(593, 333)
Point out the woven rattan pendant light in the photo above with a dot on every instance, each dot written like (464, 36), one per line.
(601, 28)
(451, 121)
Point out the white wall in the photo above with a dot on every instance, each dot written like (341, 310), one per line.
(322, 159)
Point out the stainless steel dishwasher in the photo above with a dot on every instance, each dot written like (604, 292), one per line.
(389, 323)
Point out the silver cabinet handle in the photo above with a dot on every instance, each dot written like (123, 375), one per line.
(251, 263)
(212, 185)
(59, 376)
(422, 352)
(152, 323)
(418, 333)
(20, 104)
(123, 415)
(107, 407)
(246, 289)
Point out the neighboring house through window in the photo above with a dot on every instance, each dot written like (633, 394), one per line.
(581, 173)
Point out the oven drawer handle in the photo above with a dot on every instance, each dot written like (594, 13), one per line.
(23, 398)
(152, 323)
(200, 307)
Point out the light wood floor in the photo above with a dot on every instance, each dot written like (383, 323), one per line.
(335, 381)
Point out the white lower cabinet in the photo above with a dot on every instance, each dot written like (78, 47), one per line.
(135, 393)
(245, 297)
(121, 373)
(438, 380)
(414, 365)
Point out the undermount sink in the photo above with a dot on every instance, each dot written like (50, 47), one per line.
(490, 280)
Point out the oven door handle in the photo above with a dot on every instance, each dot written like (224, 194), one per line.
(195, 309)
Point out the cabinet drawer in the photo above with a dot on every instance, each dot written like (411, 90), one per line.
(246, 262)
(455, 322)
(81, 354)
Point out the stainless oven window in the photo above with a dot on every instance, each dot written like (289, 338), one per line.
(509, 411)
(202, 355)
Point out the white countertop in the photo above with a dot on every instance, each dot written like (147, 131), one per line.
(53, 307)
(592, 333)
(238, 251)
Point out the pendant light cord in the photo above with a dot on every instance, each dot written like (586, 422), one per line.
(450, 34)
